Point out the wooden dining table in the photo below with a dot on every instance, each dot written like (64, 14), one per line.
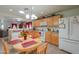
(26, 45)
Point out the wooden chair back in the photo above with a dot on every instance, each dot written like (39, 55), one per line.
(42, 49)
(5, 47)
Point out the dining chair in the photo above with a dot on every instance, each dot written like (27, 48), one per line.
(42, 49)
(5, 47)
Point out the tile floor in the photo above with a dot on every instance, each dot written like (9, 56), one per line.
(52, 49)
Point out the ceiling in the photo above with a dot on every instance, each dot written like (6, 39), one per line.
(38, 10)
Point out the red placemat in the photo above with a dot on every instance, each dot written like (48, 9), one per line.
(26, 44)
(14, 42)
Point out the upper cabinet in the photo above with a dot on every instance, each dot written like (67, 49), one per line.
(36, 23)
(51, 37)
(51, 21)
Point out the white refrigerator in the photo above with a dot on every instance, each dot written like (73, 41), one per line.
(69, 34)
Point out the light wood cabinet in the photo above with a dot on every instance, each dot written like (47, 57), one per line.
(55, 38)
(36, 23)
(51, 21)
(52, 37)
(48, 36)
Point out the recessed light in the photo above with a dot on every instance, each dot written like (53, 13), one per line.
(10, 9)
(18, 19)
(32, 8)
(21, 12)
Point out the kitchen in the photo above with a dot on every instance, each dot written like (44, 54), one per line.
(50, 28)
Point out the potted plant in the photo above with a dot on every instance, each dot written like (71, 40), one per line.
(24, 34)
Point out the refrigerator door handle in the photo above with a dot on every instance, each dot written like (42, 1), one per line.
(71, 25)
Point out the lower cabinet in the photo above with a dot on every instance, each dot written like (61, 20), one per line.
(55, 38)
(52, 37)
(48, 36)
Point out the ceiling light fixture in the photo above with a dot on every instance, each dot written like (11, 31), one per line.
(21, 12)
(33, 16)
(29, 13)
(10, 9)
(19, 19)
(27, 16)
(32, 8)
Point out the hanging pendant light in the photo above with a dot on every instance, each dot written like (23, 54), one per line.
(29, 14)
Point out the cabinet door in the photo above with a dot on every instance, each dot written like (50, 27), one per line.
(55, 38)
(55, 20)
(36, 23)
(51, 21)
(48, 36)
